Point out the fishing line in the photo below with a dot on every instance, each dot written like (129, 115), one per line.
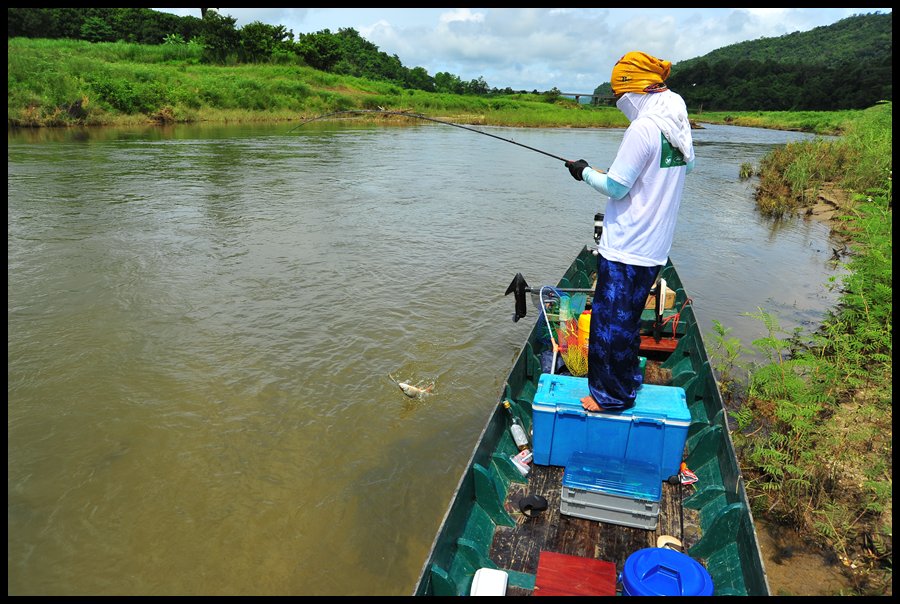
(423, 117)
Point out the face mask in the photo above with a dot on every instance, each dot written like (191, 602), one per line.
(627, 107)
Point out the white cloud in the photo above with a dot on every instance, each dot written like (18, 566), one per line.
(460, 14)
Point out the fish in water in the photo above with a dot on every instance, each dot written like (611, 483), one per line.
(413, 390)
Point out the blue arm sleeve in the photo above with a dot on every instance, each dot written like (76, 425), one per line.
(603, 183)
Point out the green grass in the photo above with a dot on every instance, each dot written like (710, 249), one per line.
(69, 82)
(815, 423)
(792, 176)
(817, 122)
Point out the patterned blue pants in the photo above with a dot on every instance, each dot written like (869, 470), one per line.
(614, 372)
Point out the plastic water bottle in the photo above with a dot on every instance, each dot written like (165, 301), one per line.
(518, 432)
(564, 312)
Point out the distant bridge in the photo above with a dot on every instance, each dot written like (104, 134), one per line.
(595, 98)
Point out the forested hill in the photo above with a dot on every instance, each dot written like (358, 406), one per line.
(847, 40)
(847, 65)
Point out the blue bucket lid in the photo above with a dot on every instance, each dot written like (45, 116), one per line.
(659, 571)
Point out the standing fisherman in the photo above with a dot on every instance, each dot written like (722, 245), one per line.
(644, 185)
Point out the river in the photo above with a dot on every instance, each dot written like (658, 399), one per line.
(202, 321)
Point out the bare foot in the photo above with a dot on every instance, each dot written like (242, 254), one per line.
(590, 404)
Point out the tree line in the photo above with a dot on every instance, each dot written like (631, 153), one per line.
(749, 85)
(847, 65)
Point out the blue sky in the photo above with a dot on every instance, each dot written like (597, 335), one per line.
(572, 49)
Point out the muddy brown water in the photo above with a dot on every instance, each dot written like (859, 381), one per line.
(797, 568)
(202, 322)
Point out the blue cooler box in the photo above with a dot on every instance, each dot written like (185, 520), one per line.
(654, 430)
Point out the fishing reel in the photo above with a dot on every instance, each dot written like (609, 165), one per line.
(598, 227)
(598, 230)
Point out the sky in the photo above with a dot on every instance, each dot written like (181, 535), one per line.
(571, 49)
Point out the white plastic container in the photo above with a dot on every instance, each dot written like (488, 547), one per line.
(489, 582)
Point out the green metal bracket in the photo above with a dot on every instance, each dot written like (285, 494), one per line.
(704, 445)
(722, 531)
(468, 549)
(441, 583)
(521, 580)
(488, 498)
(702, 497)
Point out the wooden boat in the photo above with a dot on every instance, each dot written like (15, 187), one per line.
(487, 525)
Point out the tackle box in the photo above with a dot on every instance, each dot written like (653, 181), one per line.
(654, 430)
(611, 489)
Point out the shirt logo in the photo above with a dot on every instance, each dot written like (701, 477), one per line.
(671, 157)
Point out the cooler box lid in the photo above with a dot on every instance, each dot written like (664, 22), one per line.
(631, 479)
(563, 393)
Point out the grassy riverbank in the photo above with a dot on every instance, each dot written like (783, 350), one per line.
(815, 427)
(57, 83)
(70, 82)
(816, 122)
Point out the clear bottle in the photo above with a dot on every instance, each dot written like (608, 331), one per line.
(518, 432)
(565, 312)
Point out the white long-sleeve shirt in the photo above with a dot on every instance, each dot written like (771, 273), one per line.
(645, 184)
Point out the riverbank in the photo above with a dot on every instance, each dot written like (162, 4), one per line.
(824, 519)
(59, 83)
(814, 424)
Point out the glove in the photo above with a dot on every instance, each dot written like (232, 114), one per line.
(576, 168)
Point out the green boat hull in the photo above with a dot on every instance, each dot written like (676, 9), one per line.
(727, 544)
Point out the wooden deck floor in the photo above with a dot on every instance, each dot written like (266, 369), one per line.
(518, 548)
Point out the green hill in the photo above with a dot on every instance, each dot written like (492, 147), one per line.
(847, 65)
(851, 39)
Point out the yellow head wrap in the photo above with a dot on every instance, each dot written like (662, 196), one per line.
(641, 73)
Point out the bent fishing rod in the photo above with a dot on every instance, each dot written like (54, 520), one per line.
(423, 117)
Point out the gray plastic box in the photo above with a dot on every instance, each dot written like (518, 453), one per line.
(613, 490)
(625, 517)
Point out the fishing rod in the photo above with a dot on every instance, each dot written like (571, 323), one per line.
(423, 117)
